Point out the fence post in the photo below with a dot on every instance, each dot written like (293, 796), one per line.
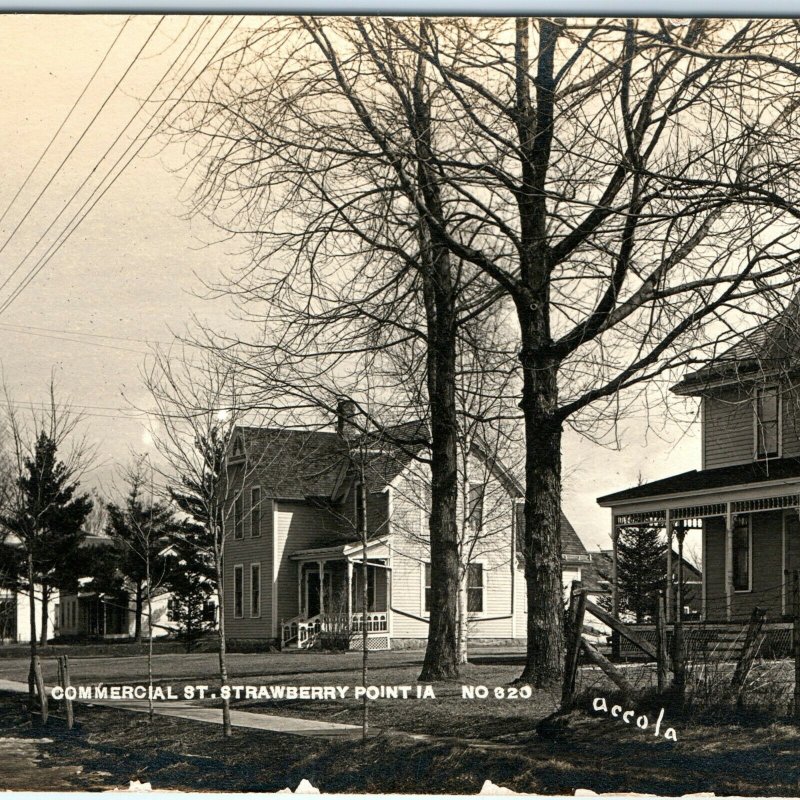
(749, 650)
(40, 688)
(662, 660)
(796, 639)
(577, 610)
(616, 675)
(63, 678)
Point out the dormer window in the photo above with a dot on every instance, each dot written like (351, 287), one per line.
(767, 422)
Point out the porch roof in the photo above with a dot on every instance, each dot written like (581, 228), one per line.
(337, 551)
(739, 475)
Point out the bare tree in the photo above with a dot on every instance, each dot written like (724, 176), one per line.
(140, 527)
(197, 409)
(627, 183)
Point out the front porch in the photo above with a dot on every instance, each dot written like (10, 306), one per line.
(333, 611)
(749, 532)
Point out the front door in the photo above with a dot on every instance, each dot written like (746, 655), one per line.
(312, 594)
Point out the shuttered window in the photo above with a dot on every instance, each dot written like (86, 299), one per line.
(767, 422)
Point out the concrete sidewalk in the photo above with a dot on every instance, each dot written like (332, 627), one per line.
(185, 709)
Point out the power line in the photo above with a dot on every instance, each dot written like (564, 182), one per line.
(31, 273)
(65, 120)
(79, 341)
(72, 150)
(83, 333)
(50, 252)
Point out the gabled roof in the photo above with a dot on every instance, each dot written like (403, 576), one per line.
(771, 347)
(571, 544)
(706, 479)
(302, 464)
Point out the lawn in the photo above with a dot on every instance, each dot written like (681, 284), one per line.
(467, 741)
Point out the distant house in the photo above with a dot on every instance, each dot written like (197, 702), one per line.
(92, 613)
(15, 621)
(293, 559)
(745, 498)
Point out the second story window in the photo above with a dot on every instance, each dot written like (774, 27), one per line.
(255, 511)
(238, 522)
(767, 422)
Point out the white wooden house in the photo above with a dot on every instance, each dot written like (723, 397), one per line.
(293, 560)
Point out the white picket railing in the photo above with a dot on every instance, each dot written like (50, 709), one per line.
(306, 631)
(376, 622)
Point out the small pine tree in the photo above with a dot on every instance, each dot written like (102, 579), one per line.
(49, 522)
(191, 582)
(141, 529)
(641, 570)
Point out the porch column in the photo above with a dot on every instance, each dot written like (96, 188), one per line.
(680, 533)
(614, 556)
(321, 565)
(389, 599)
(729, 519)
(349, 592)
(668, 593)
(300, 609)
(704, 575)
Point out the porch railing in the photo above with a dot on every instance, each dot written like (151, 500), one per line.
(306, 631)
(376, 622)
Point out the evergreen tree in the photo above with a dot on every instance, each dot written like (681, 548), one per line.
(48, 522)
(141, 529)
(191, 581)
(641, 570)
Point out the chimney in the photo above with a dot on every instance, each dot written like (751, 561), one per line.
(345, 412)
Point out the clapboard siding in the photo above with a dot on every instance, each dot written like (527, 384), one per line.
(298, 526)
(790, 419)
(410, 553)
(728, 428)
(246, 551)
(767, 568)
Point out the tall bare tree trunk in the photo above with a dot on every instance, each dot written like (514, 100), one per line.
(32, 618)
(45, 610)
(541, 537)
(137, 631)
(150, 709)
(463, 619)
(439, 293)
(223, 655)
(363, 533)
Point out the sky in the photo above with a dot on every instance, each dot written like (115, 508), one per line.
(134, 270)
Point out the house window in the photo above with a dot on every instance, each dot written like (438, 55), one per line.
(255, 511)
(475, 514)
(427, 587)
(767, 422)
(238, 591)
(255, 590)
(475, 586)
(742, 550)
(238, 527)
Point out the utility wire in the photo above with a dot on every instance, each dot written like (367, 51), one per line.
(14, 325)
(72, 150)
(64, 122)
(50, 252)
